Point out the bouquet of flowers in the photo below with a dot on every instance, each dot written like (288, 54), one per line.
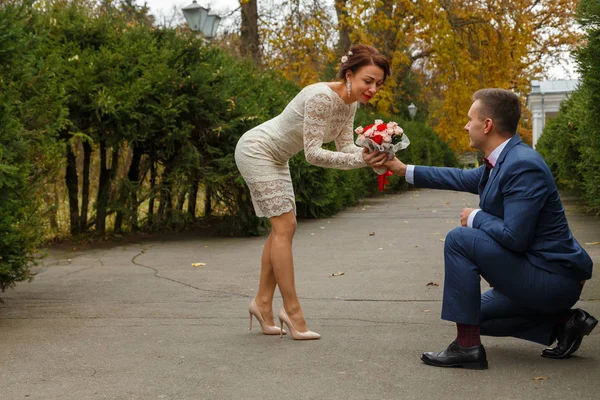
(383, 137)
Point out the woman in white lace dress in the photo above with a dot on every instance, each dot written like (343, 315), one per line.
(320, 113)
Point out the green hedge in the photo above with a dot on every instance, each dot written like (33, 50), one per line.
(85, 86)
(21, 225)
(570, 142)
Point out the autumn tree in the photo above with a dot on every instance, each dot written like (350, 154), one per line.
(491, 44)
(298, 40)
(397, 29)
(441, 51)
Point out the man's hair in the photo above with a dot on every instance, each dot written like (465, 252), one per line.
(501, 106)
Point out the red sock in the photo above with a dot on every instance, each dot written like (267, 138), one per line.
(563, 318)
(468, 335)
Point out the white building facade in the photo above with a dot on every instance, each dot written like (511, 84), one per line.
(544, 102)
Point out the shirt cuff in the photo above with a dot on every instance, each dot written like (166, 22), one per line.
(410, 174)
(472, 217)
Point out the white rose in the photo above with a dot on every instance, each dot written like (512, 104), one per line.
(359, 130)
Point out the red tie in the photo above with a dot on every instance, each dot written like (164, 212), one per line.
(487, 163)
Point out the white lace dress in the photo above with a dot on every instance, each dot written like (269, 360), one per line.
(315, 116)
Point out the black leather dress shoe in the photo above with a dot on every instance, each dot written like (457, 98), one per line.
(579, 325)
(459, 357)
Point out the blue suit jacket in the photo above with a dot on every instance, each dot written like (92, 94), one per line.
(520, 208)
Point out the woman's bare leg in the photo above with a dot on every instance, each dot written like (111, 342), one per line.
(266, 284)
(282, 233)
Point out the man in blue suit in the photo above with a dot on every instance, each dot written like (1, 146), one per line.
(518, 240)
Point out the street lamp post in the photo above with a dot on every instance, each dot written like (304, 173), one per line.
(198, 19)
(412, 111)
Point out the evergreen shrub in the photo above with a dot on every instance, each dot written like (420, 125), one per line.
(570, 142)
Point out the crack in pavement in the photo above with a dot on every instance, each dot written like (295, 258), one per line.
(157, 275)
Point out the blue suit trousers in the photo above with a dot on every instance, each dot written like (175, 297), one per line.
(525, 301)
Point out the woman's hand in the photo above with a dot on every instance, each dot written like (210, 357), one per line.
(374, 159)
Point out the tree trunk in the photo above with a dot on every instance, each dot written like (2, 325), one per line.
(152, 186)
(53, 202)
(85, 190)
(344, 30)
(103, 191)
(134, 176)
(181, 200)
(119, 221)
(207, 201)
(165, 192)
(72, 186)
(193, 195)
(249, 41)
(117, 197)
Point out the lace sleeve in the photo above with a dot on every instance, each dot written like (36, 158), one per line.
(345, 142)
(316, 114)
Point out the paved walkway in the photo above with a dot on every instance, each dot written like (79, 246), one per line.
(138, 321)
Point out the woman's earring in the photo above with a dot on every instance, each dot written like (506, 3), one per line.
(348, 86)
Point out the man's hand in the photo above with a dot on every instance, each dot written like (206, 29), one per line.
(396, 166)
(464, 215)
(374, 159)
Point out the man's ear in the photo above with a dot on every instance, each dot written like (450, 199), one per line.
(488, 124)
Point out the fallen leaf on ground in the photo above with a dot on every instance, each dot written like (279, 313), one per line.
(442, 239)
(198, 264)
(339, 273)
(372, 234)
(433, 284)
(591, 243)
(540, 378)
(426, 310)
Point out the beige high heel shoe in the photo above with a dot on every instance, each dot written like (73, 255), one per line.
(308, 335)
(266, 329)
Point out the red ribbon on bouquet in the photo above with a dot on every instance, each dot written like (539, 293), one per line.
(382, 181)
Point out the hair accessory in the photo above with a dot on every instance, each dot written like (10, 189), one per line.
(345, 57)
